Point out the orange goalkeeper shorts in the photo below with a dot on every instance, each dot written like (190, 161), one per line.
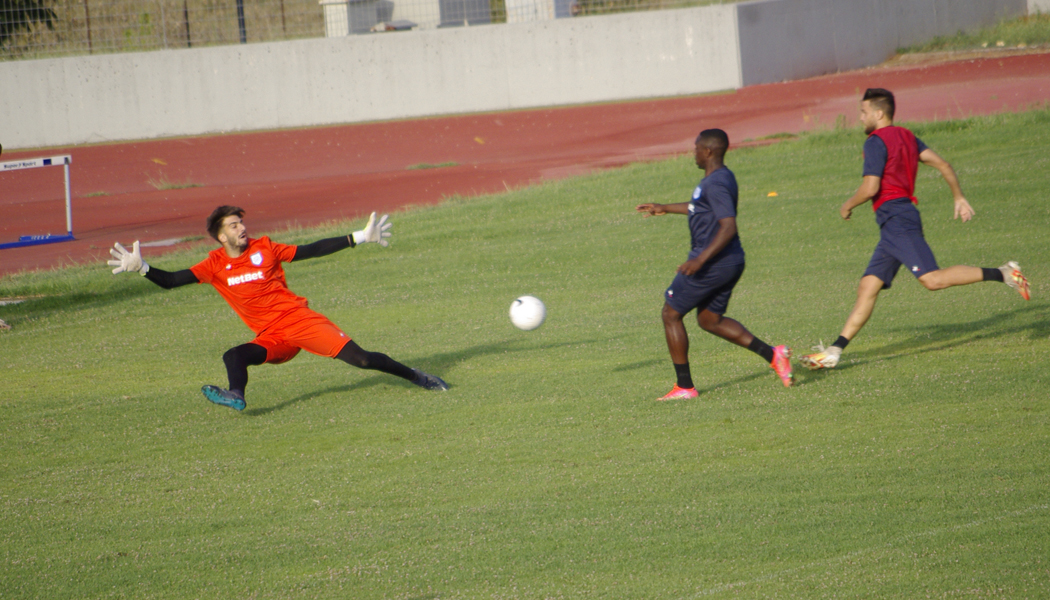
(301, 329)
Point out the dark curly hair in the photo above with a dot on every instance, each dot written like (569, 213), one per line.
(216, 217)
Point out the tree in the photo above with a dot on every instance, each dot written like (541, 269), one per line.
(16, 15)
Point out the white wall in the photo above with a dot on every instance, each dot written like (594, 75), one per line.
(357, 78)
(1038, 6)
(367, 77)
(792, 39)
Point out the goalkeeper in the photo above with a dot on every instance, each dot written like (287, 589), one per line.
(247, 273)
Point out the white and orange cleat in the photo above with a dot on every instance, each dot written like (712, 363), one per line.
(823, 358)
(1013, 277)
(680, 393)
(782, 364)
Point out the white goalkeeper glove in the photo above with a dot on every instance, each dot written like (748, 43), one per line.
(126, 262)
(374, 232)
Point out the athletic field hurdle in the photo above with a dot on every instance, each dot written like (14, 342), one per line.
(33, 163)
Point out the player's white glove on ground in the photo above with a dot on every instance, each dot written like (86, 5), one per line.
(126, 262)
(374, 232)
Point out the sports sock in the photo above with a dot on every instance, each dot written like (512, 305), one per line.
(237, 361)
(992, 275)
(762, 349)
(685, 378)
(841, 343)
(354, 355)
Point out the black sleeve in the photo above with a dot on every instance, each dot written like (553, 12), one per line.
(168, 280)
(323, 247)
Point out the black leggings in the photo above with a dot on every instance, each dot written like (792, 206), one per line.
(239, 358)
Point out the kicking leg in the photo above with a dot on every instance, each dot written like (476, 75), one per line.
(355, 355)
(733, 331)
(950, 277)
(1010, 274)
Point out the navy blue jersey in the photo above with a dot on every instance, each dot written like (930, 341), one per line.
(714, 199)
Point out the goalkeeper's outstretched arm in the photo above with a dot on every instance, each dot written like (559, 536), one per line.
(168, 279)
(374, 232)
(323, 247)
(125, 261)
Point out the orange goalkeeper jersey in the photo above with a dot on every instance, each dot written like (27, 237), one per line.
(253, 283)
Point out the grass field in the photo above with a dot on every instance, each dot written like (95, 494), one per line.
(1022, 32)
(918, 468)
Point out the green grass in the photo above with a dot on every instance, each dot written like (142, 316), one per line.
(1029, 30)
(431, 165)
(161, 182)
(918, 468)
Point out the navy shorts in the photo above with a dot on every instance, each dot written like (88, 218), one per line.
(901, 242)
(709, 288)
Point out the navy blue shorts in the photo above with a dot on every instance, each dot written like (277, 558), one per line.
(901, 242)
(709, 288)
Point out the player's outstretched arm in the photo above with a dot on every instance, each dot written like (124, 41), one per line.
(963, 210)
(125, 261)
(378, 233)
(655, 210)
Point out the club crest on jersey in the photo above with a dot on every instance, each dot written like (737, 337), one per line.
(256, 258)
(915, 269)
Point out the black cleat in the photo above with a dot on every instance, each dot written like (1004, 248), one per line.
(428, 381)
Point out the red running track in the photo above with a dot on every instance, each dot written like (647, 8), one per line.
(310, 176)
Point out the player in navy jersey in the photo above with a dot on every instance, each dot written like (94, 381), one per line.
(891, 160)
(716, 262)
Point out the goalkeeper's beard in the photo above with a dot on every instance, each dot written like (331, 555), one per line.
(237, 247)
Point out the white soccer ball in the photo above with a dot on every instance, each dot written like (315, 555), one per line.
(527, 313)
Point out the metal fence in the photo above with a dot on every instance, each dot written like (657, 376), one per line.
(53, 28)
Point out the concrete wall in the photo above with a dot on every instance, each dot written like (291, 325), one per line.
(369, 77)
(1038, 6)
(493, 67)
(791, 39)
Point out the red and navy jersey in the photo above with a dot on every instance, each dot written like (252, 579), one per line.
(253, 283)
(892, 153)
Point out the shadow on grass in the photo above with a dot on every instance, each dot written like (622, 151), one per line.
(43, 304)
(942, 337)
(638, 365)
(436, 364)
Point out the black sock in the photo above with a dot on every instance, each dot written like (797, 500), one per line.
(237, 361)
(354, 355)
(762, 349)
(685, 379)
(992, 275)
(841, 343)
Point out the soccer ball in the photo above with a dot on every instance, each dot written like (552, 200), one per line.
(527, 313)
